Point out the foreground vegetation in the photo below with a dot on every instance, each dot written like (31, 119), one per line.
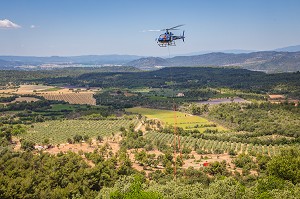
(26, 175)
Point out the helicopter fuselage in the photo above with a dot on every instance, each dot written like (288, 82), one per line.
(168, 39)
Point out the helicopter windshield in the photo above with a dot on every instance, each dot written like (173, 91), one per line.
(164, 37)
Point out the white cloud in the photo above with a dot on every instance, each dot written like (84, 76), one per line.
(32, 26)
(8, 24)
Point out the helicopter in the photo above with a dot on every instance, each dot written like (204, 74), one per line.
(168, 38)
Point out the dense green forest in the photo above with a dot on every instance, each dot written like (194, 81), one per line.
(194, 77)
(18, 76)
(182, 77)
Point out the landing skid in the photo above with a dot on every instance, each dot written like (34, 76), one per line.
(166, 44)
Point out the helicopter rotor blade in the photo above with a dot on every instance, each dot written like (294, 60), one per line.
(174, 28)
(150, 30)
(154, 30)
(165, 29)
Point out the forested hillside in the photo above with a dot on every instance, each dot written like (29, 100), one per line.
(267, 61)
(187, 77)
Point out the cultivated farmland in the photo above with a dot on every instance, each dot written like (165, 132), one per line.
(60, 131)
(25, 99)
(183, 120)
(215, 146)
(72, 98)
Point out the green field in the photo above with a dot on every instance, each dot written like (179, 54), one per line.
(183, 120)
(59, 131)
(69, 107)
(50, 89)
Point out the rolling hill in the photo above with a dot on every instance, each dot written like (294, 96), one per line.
(295, 48)
(4, 65)
(84, 59)
(268, 61)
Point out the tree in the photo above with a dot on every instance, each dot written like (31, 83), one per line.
(269, 183)
(129, 187)
(179, 161)
(77, 138)
(27, 145)
(242, 160)
(46, 141)
(224, 188)
(262, 161)
(216, 167)
(39, 118)
(85, 138)
(286, 165)
(70, 141)
(167, 159)
(141, 157)
(99, 138)
(232, 152)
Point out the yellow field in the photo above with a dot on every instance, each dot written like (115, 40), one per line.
(183, 120)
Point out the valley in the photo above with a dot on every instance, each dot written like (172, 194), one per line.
(123, 124)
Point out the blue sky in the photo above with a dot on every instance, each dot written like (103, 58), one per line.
(82, 27)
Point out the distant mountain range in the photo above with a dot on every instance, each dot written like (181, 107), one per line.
(14, 61)
(8, 64)
(268, 61)
(149, 63)
(234, 51)
(289, 49)
(280, 60)
(239, 51)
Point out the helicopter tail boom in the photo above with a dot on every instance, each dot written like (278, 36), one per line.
(179, 37)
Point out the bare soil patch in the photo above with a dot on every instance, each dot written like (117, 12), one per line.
(209, 158)
(25, 99)
(276, 97)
